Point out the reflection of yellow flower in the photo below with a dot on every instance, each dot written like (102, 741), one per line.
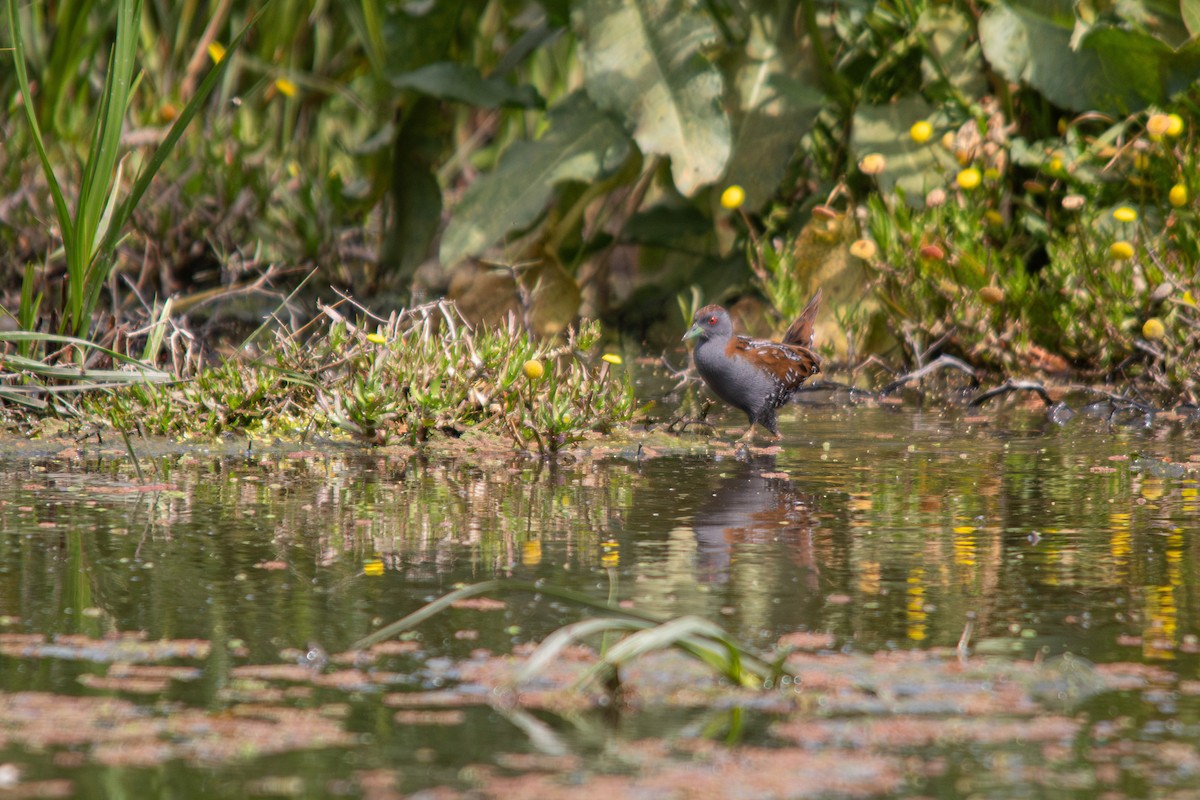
(531, 553)
(864, 249)
(1154, 329)
(733, 197)
(285, 87)
(872, 164)
(1124, 214)
(611, 358)
(921, 132)
(1178, 196)
(373, 568)
(533, 370)
(216, 51)
(1121, 251)
(968, 178)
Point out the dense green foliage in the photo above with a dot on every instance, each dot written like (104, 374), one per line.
(948, 170)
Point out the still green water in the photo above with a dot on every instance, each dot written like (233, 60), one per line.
(888, 529)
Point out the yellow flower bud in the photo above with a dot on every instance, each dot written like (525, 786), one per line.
(611, 358)
(921, 132)
(1176, 126)
(1153, 329)
(376, 338)
(216, 51)
(992, 295)
(1178, 196)
(1121, 251)
(1124, 214)
(1158, 125)
(864, 249)
(968, 178)
(533, 370)
(733, 197)
(872, 164)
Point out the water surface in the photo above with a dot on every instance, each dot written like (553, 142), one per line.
(886, 529)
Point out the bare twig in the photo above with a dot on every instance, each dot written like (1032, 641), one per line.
(940, 363)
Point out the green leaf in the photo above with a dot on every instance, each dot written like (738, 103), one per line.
(777, 100)
(1109, 68)
(645, 60)
(450, 81)
(581, 144)
(953, 53)
(915, 168)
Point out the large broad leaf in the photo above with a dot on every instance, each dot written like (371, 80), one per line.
(914, 168)
(1082, 66)
(953, 54)
(450, 81)
(581, 144)
(644, 59)
(416, 195)
(776, 98)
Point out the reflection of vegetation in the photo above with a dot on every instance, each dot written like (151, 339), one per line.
(640, 634)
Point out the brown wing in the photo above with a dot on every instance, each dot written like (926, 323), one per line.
(789, 364)
(801, 331)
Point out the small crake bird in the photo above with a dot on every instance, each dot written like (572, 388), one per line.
(755, 375)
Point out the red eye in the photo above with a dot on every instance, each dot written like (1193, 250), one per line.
(712, 320)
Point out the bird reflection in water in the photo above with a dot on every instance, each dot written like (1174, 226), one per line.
(754, 508)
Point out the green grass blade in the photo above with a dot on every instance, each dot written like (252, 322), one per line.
(157, 333)
(555, 643)
(60, 203)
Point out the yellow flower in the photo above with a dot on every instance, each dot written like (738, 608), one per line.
(376, 338)
(1124, 214)
(864, 249)
(1121, 251)
(216, 51)
(921, 132)
(733, 197)
(611, 358)
(1157, 126)
(872, 164)
(1178, 195)
(285, 87)
(1056, 165)
(1154, 329)
(534, 370)
(968, 178)
(1176, 126)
